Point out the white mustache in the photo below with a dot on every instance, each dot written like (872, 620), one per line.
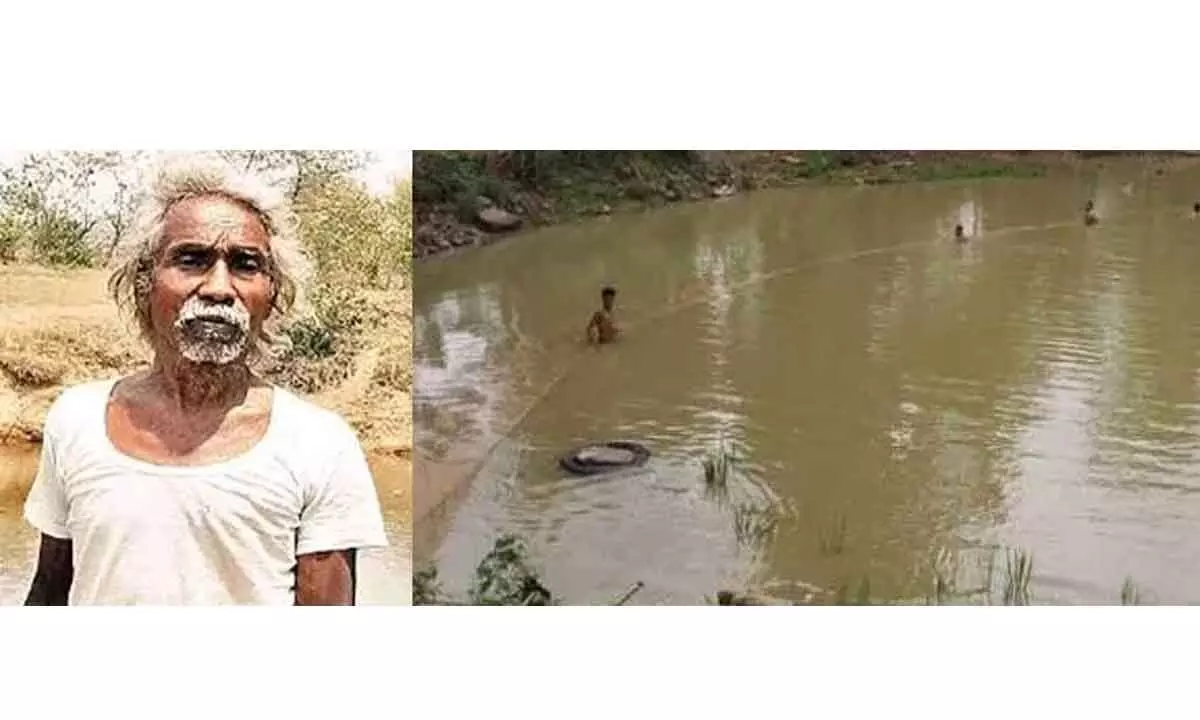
(197, 309)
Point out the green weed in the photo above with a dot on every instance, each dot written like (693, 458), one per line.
(1129, 592)
(832, 540)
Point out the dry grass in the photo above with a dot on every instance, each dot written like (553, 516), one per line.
(26, 371)
(67, 352)
(56, 328)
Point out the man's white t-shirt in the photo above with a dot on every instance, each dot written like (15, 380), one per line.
(224, 533)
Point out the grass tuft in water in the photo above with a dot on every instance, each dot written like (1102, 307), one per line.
(1018, 576)
(832, 540)
(718, 465)
(1129, 592)
(859, 595)
(945, 578)
(754, 526)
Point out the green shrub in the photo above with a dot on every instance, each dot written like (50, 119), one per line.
(12, 231)
(59, 240)
(439, 177)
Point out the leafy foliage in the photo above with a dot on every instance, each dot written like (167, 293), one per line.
(505, 577)
(354, 237)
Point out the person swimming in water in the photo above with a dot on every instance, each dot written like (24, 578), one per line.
(1196, 208)
(959, 234)
(1089, 213)
(602, 328)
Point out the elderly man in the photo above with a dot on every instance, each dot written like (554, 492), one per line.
(195, 481)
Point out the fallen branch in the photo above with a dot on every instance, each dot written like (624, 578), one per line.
(633, 590)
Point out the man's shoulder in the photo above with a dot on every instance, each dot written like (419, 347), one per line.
(76, 412)
(306, 420)
(76, 398)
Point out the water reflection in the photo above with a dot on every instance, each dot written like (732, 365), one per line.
(1035, 388)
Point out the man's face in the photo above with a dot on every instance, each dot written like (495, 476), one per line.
(211, 289)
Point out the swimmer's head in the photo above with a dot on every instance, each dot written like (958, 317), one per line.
(607, 296)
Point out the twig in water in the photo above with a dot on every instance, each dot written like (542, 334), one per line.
(633, 590)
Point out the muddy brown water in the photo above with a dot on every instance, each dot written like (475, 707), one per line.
(895, 396)
(384, 576)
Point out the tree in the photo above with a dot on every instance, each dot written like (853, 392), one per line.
(297, 170)
(67, 205)
(355, 238)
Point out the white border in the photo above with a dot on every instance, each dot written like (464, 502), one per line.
(537, 74)
(618, 74)
(595, 663)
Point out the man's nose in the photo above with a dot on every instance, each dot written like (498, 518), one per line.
(218, 284)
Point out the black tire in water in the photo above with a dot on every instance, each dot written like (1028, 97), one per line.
(589, 460)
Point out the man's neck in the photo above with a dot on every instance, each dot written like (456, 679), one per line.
(197, 387)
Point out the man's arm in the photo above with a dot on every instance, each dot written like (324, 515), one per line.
(326, 578)
(341, 516)
(55, 571)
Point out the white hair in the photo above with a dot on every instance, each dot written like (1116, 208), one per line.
(198, 175)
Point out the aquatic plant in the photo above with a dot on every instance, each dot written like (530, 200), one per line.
(1129, 592)
(427, 588)
(756, 516)
(945, 577)
(505, 577)
(1019, 575)
(753, 526)
(718, 464)
(832, 540)
(861, 594)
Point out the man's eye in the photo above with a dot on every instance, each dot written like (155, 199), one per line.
(247, 263)
(192, 259)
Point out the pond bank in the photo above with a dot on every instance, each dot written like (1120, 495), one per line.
(468, 199)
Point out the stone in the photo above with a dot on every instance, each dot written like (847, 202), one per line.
(494, 219)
